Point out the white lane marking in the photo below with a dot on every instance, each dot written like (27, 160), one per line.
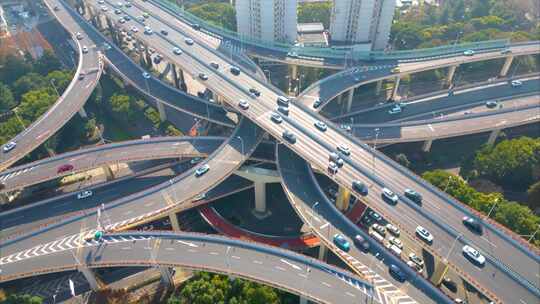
(302, 275)
(326, 284)
(169, 248)
(213, 253)
(324, 226)
(291, 264)
(350, 294)
(257, 262)
(431, 127)
(188, 244)
(126, 248)
(235, 257)
(148, 248)
(192, 250)
(148, 204)
(485, 239)
(280, 268)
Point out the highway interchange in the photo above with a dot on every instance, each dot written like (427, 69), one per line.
(229, 156)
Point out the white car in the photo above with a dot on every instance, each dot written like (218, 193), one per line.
(424, 234)
(468, 53)
(389, 195)
(134, 29)
(393, 229)
(395, 110)
(243, 104)
(416, 259)
(332, 168)
(199, 197)
(344, 150)
(396, 242)
(9, 146)
(195, 160)
(202, 170)
(104, 8)
(148, 30)
(146, 75)
(84, 194)
(84, 49)
(516, 83)
(177, 51)
(321, 126)
(79, 36)
(473, 254)
(188, 41)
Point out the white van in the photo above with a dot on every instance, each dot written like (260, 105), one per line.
(395, 249)
(377, 236)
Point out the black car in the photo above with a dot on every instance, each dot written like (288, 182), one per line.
(451, 285)
(164, 32)
(255, 92)
(195, 26)
(397, 273)
(284, 110)
(413, 196)
(235, 70)
(360, 188)
(317, 103)
(361, 243)
(289, 136)
(472, 224)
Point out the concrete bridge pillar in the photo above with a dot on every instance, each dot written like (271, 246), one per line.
(82, 113)
(426, 147)
(451, 73)
(493, 136)
(396, 87)
(4, 198)
(378, 88)
(167, 275)
(323, 250)
(161, 110)
(342, 199)
(350, 99)
(260, 177)
(506, 66)
(109, 174)
(174, 221)
(90, 277)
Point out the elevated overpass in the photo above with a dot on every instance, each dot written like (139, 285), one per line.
(301, 120)
(298, 274)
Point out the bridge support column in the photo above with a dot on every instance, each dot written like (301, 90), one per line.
(506, 66)
(82, 113)
(260, 177)
(342, 199)
(323, 250)
(303, 300)
(167, 274)
(493, 136)
(161, 109)
(451, 73)
(350, 100)
(378, 88)
(109, 174)
(426, 147)
(395, 89)
(90, 277)
(174, 221)
(4, 198)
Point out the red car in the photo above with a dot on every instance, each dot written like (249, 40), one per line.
(64, 168)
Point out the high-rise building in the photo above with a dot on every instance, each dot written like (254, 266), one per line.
(269, 20)
(362, 21)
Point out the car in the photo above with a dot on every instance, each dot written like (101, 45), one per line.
(393, 229)
(214, 65)
(395, 110)
(344, 150)
(389, 196)
(374, 215)
(292, 54)
(196, 26)
(361, 243)
(203, 76)
(164, 32)
(134, 29)
(56, 8)
(81, 75)
(317, 103)
(119, 4)
(9, 146)
(79, 36)
(146, 75)
(122, 20)
(289, 136)
(394, 249)
(177, 51)
(321, 126)
(148, 30)
(117, 11)
(85, 49)
(145, 15)
(395, 70)
(104, 8)
(127, 18)
(416, 259)
(84, 194)
(283, 110)
(492, 104)
(414, 266)
(516, 83)
(334, 157)
(127, 4)
(64, 168)
(460, 301)
(332, 192)
(202, 170)
(157, 59)
(188, 41)
(199, 197)
(360, 187)
(506, 51)
(380, 229)
(107, 46)
(451, 285)
(474, 255)
(346, 128)
(396, 242)
(413, 196)
(376, 236)
(468, 53)
(282, 100)
(235, 70)
(397, 273)
(332, 167)
(140, 19)
(243, 104)
(341, 242)
(196, 160)
(472, 224)
(424, 234)
(255, 92)
(275, 117)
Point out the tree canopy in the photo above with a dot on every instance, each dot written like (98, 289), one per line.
(6, 98)
(219, 14)
(315, 12)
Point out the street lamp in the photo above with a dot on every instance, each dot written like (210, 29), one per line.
(54, 87)
(493, 207)
(452, 247)
(532, 236)
(242, 143)
(312, 213)
(374, 149)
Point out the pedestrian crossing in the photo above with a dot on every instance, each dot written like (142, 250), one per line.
(10, 175)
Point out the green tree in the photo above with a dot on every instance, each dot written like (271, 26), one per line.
(23, 299)
(315, 12)
(219, 14)
(533, 196)
(28, 82)
(47, 63)
(61, 79)
(13, 67)
(6, 98)
(121, 105)
(35, 103)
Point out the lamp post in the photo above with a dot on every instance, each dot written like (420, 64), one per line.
(312, 213)
(374, 149)
(493, 207)
(52, 81)
(534, 234)
(242, 143)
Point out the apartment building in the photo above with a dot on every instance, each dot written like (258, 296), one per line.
(268, 20)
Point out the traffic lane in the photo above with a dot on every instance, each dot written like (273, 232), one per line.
(442, 102)
(81, 160)
(327, 222)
